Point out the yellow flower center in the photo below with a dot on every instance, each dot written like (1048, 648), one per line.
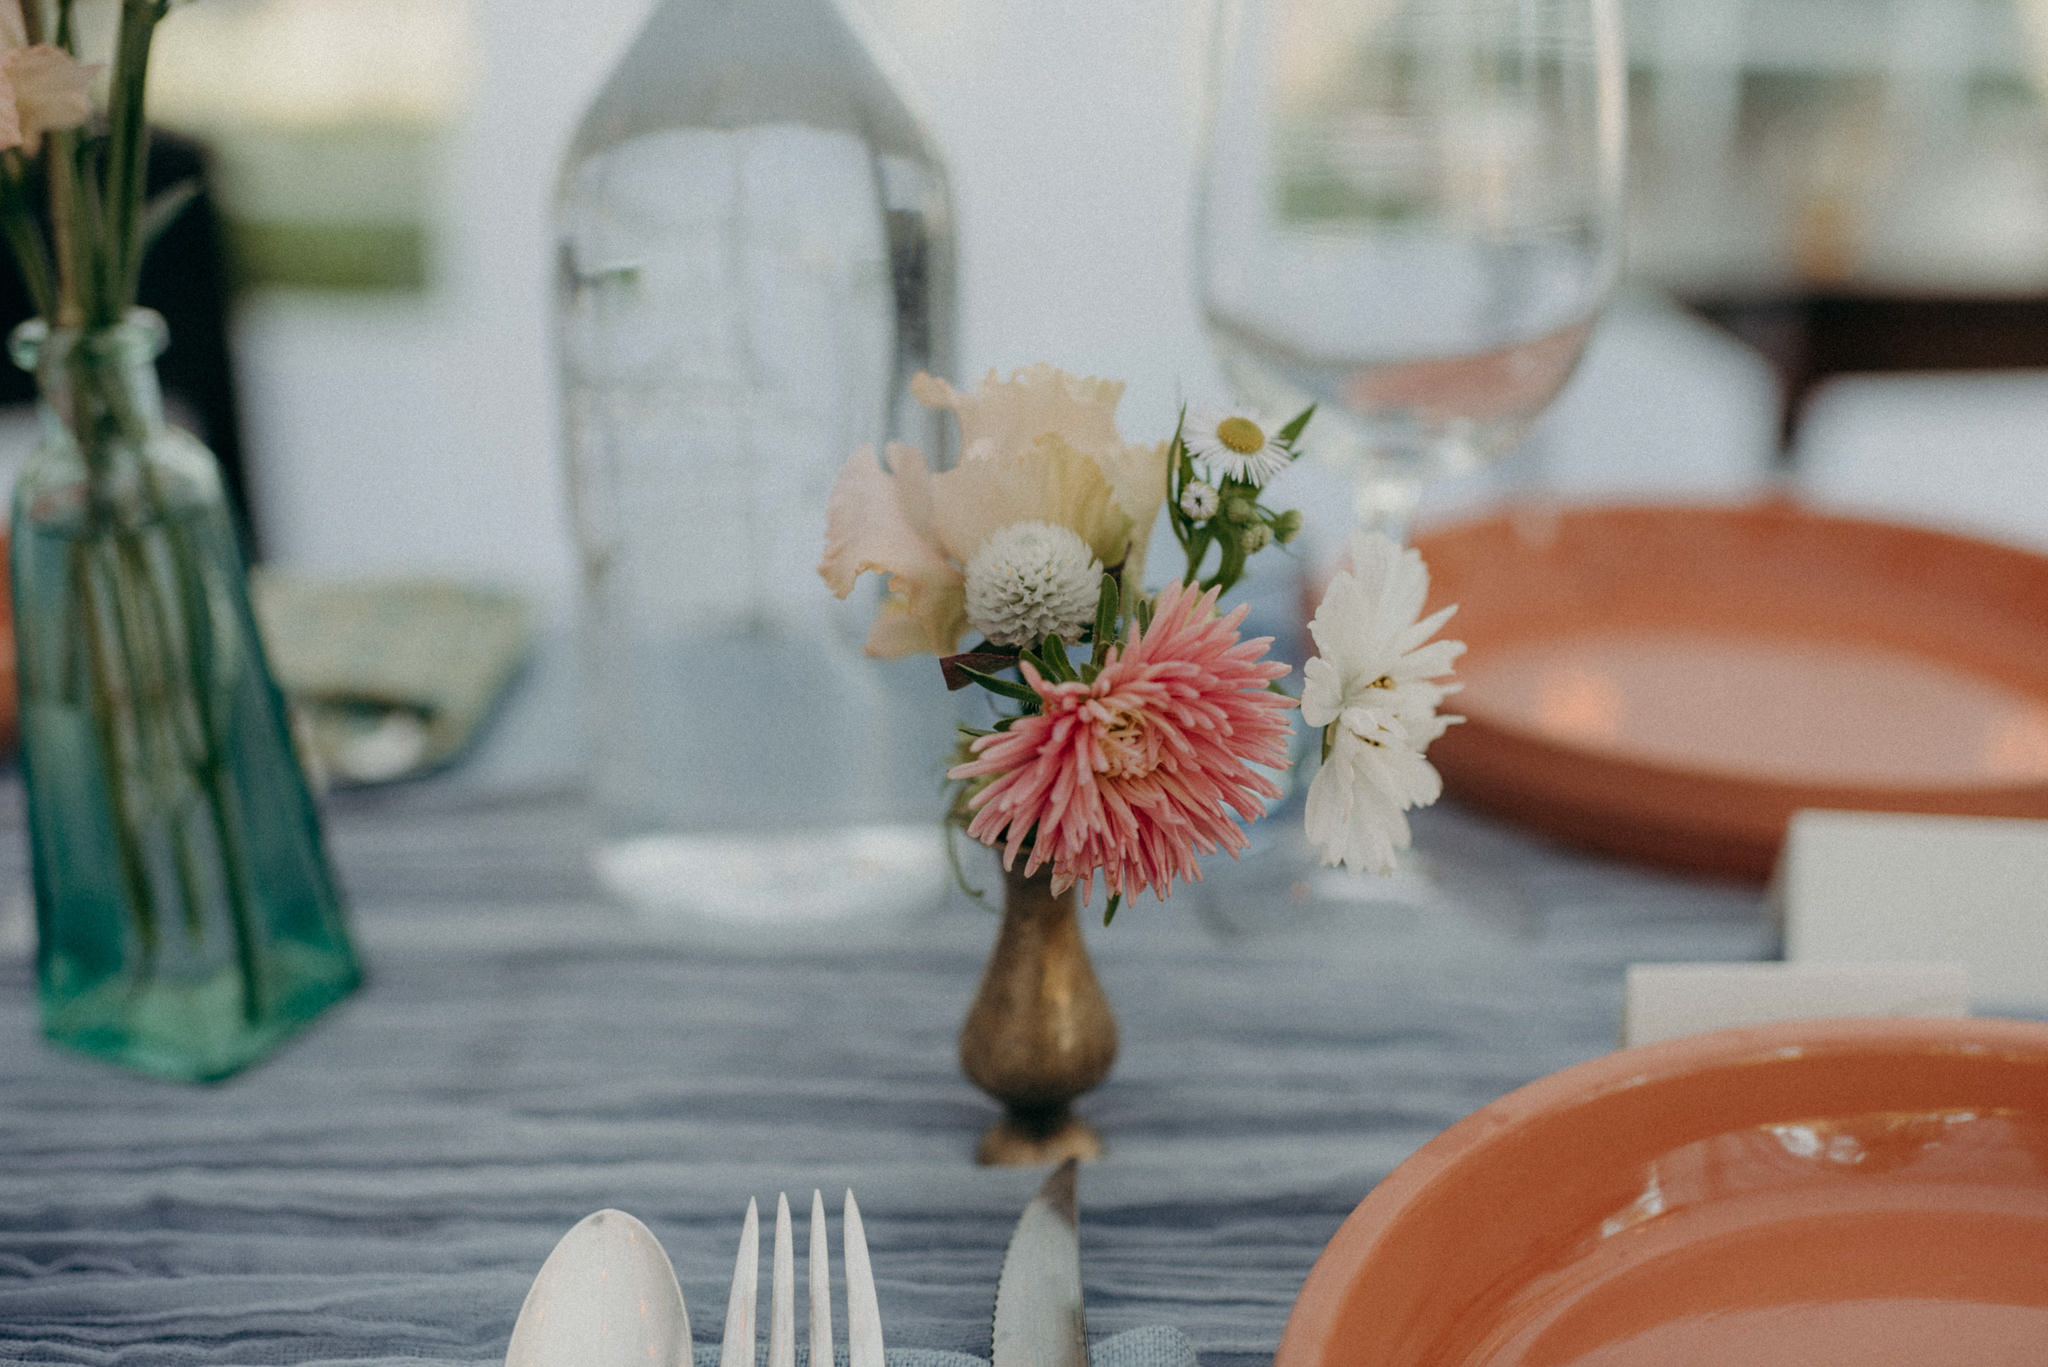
(1124, 746)
(1241, 435)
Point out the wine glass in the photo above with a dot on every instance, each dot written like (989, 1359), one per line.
(1410, 215)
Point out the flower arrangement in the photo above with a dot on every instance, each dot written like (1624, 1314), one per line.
(82, 271)
(1136, 730)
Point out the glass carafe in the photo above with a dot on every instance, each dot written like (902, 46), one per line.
(755, 256)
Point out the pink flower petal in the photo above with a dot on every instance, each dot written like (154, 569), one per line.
(1131, 775)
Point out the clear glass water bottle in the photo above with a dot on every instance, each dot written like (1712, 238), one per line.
(755, 256)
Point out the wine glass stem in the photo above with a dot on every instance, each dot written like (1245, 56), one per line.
(1386, 503)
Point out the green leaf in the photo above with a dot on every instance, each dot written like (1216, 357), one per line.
(1058, 664)
(1003, 688)
(1291, 433)
(1106, 604)
(1177, 472)
(1116, 899)
(955, 667)
(163, 210)
(960, 874)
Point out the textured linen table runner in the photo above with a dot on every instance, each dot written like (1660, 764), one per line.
(385, 1188)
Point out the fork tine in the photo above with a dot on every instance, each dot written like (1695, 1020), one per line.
(737, 1349)
(863, 1315)
(820, 1269)
(782, 1291)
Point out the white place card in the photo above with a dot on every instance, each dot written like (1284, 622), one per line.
(1660, 1001)
(1862, 887)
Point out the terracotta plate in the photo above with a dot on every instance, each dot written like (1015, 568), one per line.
(1869, 1193)
(1671, 684)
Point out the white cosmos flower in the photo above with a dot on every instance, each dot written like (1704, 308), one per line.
(1358, 802)
(1233, 443)
(1374, 686)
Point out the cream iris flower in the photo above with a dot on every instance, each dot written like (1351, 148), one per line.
(1041, 446)
(1374, 688)
(1233, 443)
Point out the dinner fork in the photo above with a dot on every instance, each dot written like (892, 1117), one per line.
(863, 1315)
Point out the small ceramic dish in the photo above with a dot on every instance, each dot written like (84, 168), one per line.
(1862, 1193)
(1672, 683)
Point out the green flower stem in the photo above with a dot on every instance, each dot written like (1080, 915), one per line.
(96, 219)
(227, 830)
(159, 658)
(24, 236)
(1198, 551)
(60, 166)
(127, 828)
(127, 156)
(207, 722)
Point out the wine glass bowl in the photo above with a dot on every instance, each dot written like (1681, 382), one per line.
(1409, 213)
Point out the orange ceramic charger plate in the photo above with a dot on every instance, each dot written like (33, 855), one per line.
(1866, 1193)
(1672, 683)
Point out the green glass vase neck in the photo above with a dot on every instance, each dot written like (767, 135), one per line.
(97, 385)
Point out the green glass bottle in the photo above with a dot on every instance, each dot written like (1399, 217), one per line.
(186, 916)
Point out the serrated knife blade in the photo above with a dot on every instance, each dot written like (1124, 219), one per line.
(1038, 1297)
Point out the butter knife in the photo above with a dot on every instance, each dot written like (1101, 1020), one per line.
(1038, 1297)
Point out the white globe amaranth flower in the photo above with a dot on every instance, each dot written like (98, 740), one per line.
(1200, 501)
(1031, 580)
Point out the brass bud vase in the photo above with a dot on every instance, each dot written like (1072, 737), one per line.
(1040, 1032)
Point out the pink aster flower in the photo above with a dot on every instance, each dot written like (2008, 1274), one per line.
(1135, 773)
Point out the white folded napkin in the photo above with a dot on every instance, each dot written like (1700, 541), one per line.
(1861, 887)
(1660, 1001)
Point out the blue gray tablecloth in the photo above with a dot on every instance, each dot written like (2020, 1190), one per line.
(384, 1189)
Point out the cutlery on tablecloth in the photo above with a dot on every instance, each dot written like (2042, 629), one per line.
(1039, 1321)
(863, 1314)
(607, 1296)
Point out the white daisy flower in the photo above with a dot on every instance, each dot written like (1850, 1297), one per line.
(1199, 501)
(1233, 443)
(1374, 686)
(1031, 580)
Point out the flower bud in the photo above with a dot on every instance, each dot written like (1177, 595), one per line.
(1287, 526)
(1199, 501)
